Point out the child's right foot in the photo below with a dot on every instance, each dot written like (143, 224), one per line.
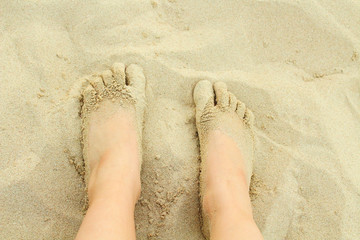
(227, 151)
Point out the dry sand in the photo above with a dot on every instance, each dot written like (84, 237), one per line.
(294, 63)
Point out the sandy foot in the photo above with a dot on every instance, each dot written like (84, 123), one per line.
(112, 112)
(219, 112)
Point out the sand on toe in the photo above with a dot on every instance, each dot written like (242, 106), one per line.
(295, 64)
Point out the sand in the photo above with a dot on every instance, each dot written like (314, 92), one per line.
(295, 64)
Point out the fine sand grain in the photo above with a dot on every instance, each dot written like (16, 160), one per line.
(295, 64)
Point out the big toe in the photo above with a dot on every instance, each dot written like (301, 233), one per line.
(203, 94)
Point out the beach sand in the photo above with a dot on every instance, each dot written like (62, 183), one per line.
(295, 64)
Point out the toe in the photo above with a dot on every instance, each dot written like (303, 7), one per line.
(97, 83)
(249, 117)
(203, 94)
(240, 109)
(88, 94)
(222, 94)
(135, 77)
(107, 77)
(118, 70)
(233, 101)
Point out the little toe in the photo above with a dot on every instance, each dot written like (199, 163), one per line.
(222, 94)
(135, 77)
(118, 70)
(249, 117)
(97, 83)
(203, 95)
(240, 109)
(107, 77)
(233, 101)
(88, 94)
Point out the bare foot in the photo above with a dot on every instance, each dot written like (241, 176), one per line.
(112, 118)
(227, 149)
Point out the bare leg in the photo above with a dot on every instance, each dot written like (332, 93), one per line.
(226, 143)
(112, 125)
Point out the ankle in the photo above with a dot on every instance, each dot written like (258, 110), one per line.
(229, 211)
(124, 191)
(226, 196)
(120, 197)
(115, 177)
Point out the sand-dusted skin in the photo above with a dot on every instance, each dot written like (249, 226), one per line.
(111, 100)
(217, 109)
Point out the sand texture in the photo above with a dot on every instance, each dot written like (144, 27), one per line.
(295, 64)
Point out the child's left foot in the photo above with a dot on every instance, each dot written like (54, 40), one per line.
(112, 116)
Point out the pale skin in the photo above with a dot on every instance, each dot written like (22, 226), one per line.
(114, 185)
(226, 198)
